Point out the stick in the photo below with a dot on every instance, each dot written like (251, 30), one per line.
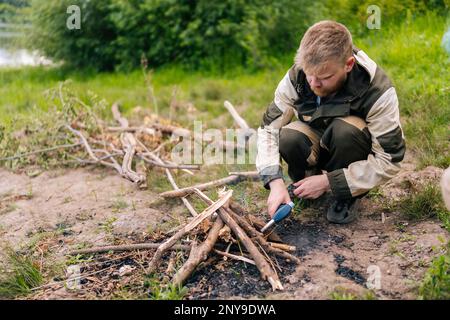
(158, 160)
(91, 153)
(127, 247)
(185, 201)
(233, 256)
(168, 165)
(260, 239)
(198, 254)
(282, 246)
(188, 227)
(42, 150)
(129, 145)
(237, 118)
(188, 190)
(267, 273)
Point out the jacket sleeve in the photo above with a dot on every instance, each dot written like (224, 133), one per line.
(278, 114)
(388, 149)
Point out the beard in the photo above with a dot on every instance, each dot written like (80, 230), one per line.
(325, 92)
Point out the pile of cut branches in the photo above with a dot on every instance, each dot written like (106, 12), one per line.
(223, 224)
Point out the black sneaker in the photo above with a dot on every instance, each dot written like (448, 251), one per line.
(342, 211)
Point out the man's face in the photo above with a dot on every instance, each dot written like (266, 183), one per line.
(329, 77)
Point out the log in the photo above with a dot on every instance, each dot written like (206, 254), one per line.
(208, 185)
(198, 254)
(188, 227)
(267, 272)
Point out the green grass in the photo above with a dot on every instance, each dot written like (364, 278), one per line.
(436, 283)
(410, 52)
(160, 291)
(424, 204)
(21, 275)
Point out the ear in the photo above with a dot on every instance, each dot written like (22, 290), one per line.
(349, 64)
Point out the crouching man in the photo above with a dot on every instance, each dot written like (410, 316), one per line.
(348, 132)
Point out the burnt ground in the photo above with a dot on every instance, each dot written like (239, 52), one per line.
(56, 211)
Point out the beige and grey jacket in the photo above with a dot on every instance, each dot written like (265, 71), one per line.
(367, 93)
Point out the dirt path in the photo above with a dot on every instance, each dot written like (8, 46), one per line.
(94, 207)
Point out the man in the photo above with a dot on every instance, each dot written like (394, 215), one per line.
(348, 125)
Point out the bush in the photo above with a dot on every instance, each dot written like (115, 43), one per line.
(116, 33)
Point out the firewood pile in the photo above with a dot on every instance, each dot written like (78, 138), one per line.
(222, 224)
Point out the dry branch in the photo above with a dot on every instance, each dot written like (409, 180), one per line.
(208, 185)
(198, 254)
(188, 227)
(129, 146)
(127, 247)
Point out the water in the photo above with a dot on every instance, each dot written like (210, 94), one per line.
(446, 41)
(21, 57)
(13, 57)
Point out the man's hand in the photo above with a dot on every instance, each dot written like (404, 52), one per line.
(312, 187)
(278, 195)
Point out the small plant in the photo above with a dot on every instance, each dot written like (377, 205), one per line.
(108, 227)
(119, 204)
(22, 275)
(436, 284)
(342, 294)
(424, 204)
(159, 291)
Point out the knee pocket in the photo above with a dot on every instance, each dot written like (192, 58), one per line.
(344, 135)
(293, 142)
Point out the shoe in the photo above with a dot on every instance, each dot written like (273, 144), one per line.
(342, 211)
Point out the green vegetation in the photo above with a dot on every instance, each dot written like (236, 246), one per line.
(19, 276)
(436, 284)
(159, 291)
(425, 203)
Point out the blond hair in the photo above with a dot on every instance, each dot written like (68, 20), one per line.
(324, 41)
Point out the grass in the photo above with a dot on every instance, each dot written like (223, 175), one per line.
(22, 274)
(424, 204)
(341, 293)
(436, 283)
(410, 52)
(159, 291)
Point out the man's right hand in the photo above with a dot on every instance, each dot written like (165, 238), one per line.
(278, 195)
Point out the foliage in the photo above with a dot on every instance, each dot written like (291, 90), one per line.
(115, 33)
(436, 284)
(21, 275)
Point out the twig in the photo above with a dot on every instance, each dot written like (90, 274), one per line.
(127, 247)
(185, 201)
(233, 256)
(239, 120)
(63, 146)
(188, 190)
(91, 153)
(129, 146)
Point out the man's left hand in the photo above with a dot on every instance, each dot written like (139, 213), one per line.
(312, 187)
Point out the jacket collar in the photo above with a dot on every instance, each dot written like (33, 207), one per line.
(356, 84)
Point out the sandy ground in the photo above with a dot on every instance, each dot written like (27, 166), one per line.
(92, 206)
